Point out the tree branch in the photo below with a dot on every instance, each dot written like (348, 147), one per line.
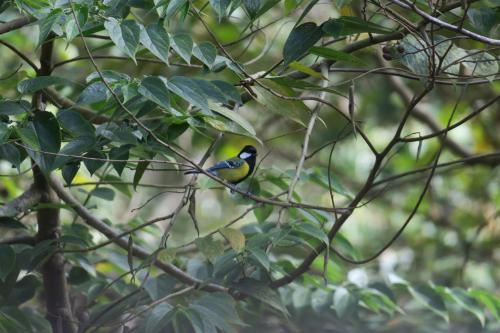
(421, 115)
(22, 203)
(63, 102)
(137, 251)
(15, 24)
(442, 24)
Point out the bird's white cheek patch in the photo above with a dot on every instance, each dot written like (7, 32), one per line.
(245, 155)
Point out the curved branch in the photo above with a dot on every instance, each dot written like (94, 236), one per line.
(137, 251)
(22, 203)
(442, 24)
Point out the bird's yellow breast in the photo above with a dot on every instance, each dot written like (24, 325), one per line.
(234, 175)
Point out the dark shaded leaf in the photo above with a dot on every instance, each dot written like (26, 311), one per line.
(7, 260)
(74, 123)
(139, 172)
(29, 86)
(69, 172)
(261, 292)
(300, 40)
(12, 108)
(119, 153)
(94, 160)
(155, 89)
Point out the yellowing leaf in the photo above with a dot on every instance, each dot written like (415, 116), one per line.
(235, 238)
(307, 70)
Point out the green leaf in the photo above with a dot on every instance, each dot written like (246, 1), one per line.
(74, 123)
(210, 248)
(159, 318)
(468, 302)
(155, 89)
(350, 25)
(229, 90)
(261, 257)
(4, 132)
(13, 108)
(103, 193)
(483, 19)
(173, 7)
(119, 153)
(252, 7)
(321, 300)
(69, 172)
(220, 7)
(76, 147)
(188, 89)
(183, 45)
(46, 24)
(307, 70)
(312, 230)
(235, 238)
(70, 27)
(11, 222)
(93, 93)
(206, 53)
(160, 286)
(343, 301)
(7, 260)
(139, 172)
(29, 86)
(489, 300)
(48, 135)
(261, 292)
(427, 296)
(24, 290)
(10, 153)
(482, 63)
(263, 212)
(47, 130)
(290, 109)
(156, 40)
(125, 35)
(335, 55)
(211, 91)
(94, 160)
(300, 40)
(233, 116)
(376, 301)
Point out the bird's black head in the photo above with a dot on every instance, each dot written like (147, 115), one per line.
(248, 152)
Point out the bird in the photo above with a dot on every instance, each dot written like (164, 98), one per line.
(236, 169)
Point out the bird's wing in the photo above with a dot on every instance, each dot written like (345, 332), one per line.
(232, 163)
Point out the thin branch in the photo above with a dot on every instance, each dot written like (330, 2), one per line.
(20, 54)
(442, 24)
(137, 251)
(455, 125)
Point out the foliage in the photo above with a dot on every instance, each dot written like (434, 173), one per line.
(373, 207)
